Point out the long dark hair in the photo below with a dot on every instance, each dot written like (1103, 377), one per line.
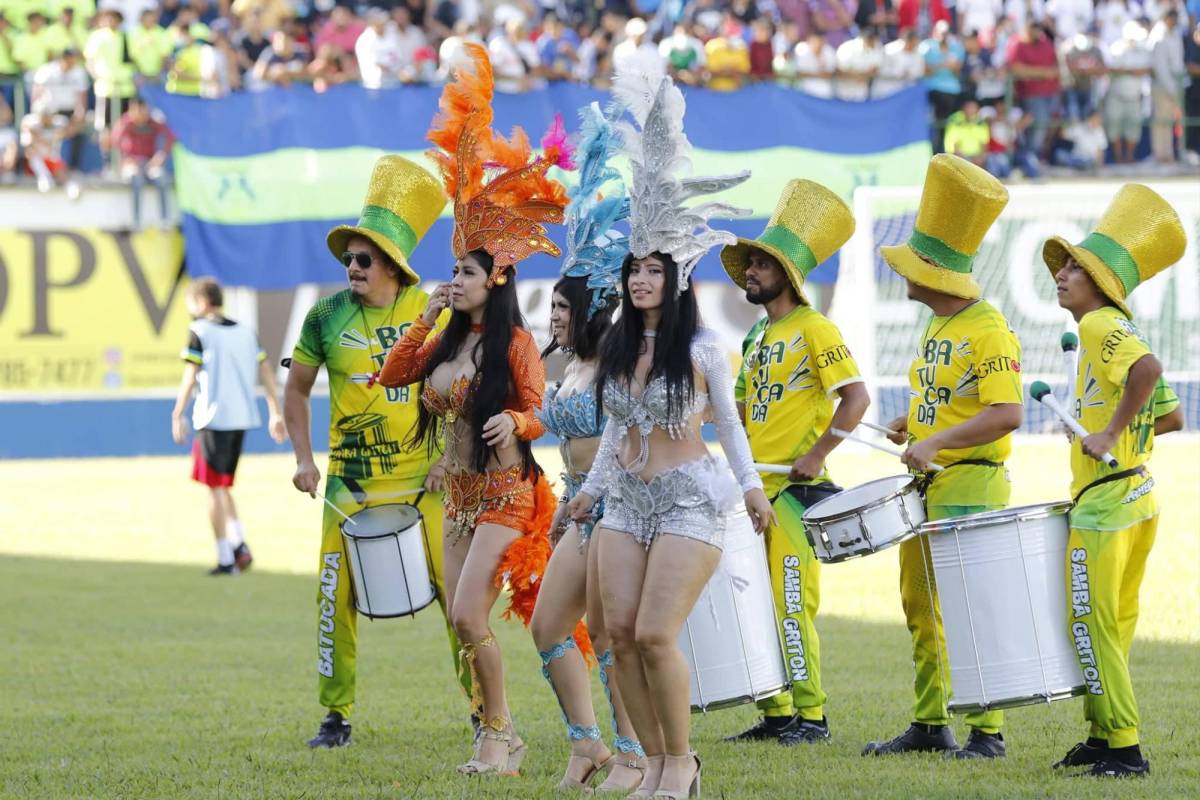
(586, 332)
(493, 382)
(673, 351)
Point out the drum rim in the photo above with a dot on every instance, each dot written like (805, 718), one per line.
(909, 486)
(742, 699)
(1017, 702)
(345, 524)
(840, 557)
(1001, 515)
(410, 613)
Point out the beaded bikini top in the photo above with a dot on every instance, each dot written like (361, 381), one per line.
(571, 416)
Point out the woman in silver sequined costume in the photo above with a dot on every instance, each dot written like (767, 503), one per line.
(666, 500)
(570, 585)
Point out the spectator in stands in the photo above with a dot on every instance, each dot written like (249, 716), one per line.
(1111, 16)
(1033, 61)
(815, 64)
(557, 46)
(1088, 144)
(378, 52)
(1005, 149)
(1070, 17)
(636, 46)
(62, 86)
(272, 13)
(67, 32)
(335, 41)
(35, 46)
(1084, 62)
(451, 53)
(903, 65)
(42, 135)
(983, 74)
(1025, 12)
(834, 18)
(1167, 82)
(878, 14)
(762, 50)
(8, 143)
(967, 135)
(250, 43)
(150, 44)
(8, 64)
(594, 63)
(144, 144)
(728, 60)
(331, 67)
(921, 15)
(515, 60)
(978, 16)
(107, 58)
(858, 63)
(684, 56)
(283, 62)
(1128, 63)
(228, 74)
(1191, 105)
(193, 67)
(943, 55)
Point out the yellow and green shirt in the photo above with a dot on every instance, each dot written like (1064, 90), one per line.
(790, 372)
(968, 361)
(1109, 344)
(368, 422)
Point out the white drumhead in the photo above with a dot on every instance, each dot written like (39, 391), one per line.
(381, 520)
(858, 497)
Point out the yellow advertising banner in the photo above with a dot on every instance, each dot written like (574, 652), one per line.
(86, 310)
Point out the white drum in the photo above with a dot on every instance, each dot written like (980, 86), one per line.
(386, 546)
(1001, 582)
(865, 519)
(731, 638)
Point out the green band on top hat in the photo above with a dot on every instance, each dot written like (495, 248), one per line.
(387, 223)
(791, 246)
(940, 253)
(1115, 257)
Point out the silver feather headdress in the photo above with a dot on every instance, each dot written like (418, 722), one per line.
(659, 156)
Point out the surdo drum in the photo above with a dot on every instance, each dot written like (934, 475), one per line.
(1001, 583)
(731, 640)
(865, 519)
(388, 567)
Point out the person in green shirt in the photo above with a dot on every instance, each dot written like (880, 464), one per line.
(149, 46)
(967, 134)
(68, 31)
(35, 46)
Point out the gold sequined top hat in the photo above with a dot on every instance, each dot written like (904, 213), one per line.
(959, 203)
(1138, 237)
(403, 201)
(810, 223)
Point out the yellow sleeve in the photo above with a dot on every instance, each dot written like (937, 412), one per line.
(834, 365)
(1165, 400)
(1118, 344)
(997, 357)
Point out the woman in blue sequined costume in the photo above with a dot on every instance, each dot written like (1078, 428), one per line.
(581, 313)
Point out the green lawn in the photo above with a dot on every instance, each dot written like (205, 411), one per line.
(131, 674)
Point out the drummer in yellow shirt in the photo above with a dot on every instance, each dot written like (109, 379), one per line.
(965, 402)
(1121, 398)
(794, 362)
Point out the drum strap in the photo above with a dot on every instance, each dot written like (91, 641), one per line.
(927, 478)
(809, 494)
(1116, 476)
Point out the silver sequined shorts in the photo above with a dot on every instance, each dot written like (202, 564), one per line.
(690, 500)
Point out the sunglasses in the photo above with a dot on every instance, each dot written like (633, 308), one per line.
(363, 260)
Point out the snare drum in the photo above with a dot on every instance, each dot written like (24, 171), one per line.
(390, 574)
(865, 519)
(1001, 583)
(731, 638)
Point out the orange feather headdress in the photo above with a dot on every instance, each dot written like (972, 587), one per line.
(502, 196)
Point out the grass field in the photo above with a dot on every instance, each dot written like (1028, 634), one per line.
(131, 674)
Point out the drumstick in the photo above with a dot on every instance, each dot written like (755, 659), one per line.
(1070, 348)
(1041, 392)
(341, 513)
(886, 431)
(774, 469)
(881, 448)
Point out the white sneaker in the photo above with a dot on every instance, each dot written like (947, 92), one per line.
(72, 190)
(44, 185)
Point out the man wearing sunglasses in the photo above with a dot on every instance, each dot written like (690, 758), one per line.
(370, 463)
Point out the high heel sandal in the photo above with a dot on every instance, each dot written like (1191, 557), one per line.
(693, 789)
(632, 762)
(502, 732)
(593, 768)
(650, 778)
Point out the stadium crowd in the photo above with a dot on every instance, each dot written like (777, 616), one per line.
(1012, 84)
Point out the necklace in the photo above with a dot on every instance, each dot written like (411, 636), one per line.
(374, 376)
(476, 327)
(649, 334)
(949, 319)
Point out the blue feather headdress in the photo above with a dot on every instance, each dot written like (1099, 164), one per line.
(594, 249)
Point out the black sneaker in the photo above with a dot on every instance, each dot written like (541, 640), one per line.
(1082, 755)
(981, 745)
(765, 729)
(806, 731)
(224, 569)
(919, 738)
(1113, 767)
(334, 732)
(242, 557)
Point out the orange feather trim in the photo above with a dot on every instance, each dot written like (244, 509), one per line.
(584, 642)
(524, 561)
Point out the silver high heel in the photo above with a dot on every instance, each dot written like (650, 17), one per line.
(693, 789)
(650, 778)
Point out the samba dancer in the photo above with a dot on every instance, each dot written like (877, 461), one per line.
(1115, 515)
(965, 402)
(666, 497)
(794, 362)
(582, 305)
(350, 333)
(482, 383)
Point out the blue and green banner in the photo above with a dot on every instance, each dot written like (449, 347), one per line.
(262, 177)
